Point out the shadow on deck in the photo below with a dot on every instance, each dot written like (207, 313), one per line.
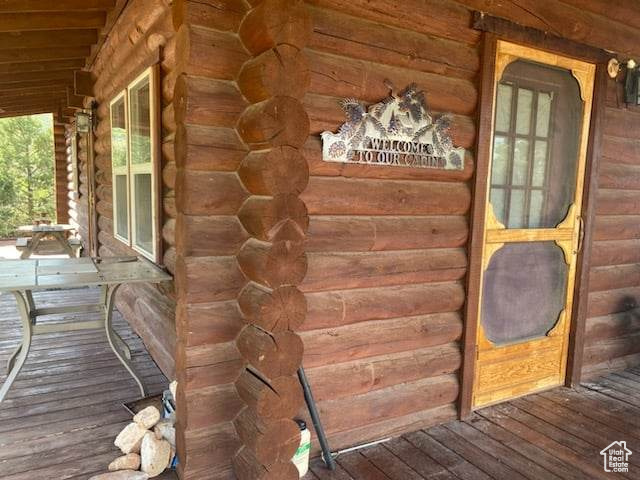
(552, 435)
(64, 410)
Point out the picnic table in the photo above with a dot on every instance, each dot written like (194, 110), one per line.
(23, 277)
(57, 232)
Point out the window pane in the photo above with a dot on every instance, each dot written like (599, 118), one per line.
(544, 114)
(118, 134)
(500, 160)
(523, 116)
(516, 209)
(535, 209)
(140, 124)
(143, 211)
(539, 163)
(520, 162)
(497, 202)
(122, 213)
(503, 107)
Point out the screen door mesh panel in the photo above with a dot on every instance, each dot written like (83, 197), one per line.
(535, 145)
(524, 290)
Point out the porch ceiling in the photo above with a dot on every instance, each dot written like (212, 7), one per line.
(42, 42)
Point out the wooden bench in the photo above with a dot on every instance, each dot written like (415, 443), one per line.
(22, 243)
(48, 247)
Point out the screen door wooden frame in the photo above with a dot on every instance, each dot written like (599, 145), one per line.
(544, 43)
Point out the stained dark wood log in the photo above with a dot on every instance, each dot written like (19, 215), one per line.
(211, 323)
(366, 81)
(619, 176)
(275, 122)
(197, 402)
(615, 252)
(247, 467)
(354, 37)
(209, 279)
(618, 202)
(338, 344)
(283, 217)
(281, 398)
(351, 413)
(358, 376)
(207, 102)
(276, 310)
(613, 301)
(362, 234)
(329, 271)
(276, 22)
(272, 354)
(197, 47)
(338, 196)
(338, 308)
(275, 171)
(269, 441)
(618, 227)
(208, 148)
(202, 236)
(622, 150)
(210, 193)
(611, 277)
(224, 15)
(273, 265)
(281, 71)
(611, 326)
(453, 20)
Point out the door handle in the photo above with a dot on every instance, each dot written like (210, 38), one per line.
(580, 234)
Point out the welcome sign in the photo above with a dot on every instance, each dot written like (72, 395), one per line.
(398, 131)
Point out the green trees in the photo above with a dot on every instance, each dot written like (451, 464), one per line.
(26, 171)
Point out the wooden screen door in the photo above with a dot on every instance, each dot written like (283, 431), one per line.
(533, 226)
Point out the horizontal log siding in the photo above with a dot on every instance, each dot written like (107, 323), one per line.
(613, 323)
(143, 27)
(386, 247)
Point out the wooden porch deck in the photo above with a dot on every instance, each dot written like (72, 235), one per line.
(61, 416)
(553, 435)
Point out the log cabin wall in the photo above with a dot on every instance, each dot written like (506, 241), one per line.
(143, 29)
(386, 246)
(61, 181)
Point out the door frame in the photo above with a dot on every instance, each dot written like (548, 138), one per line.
(498, 29)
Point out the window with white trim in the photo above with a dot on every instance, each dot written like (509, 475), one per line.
(134, 141)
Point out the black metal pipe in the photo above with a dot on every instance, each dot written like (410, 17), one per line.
(315, 418)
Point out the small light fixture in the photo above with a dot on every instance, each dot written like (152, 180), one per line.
(83, 122)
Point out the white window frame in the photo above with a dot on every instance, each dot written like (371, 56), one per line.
(148, 168)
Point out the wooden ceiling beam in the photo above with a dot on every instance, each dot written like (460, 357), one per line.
(41, 66)
(36, 90)
(12, 87)
(74, 101)
(54, 5)
(47, 97)
(48, 38)
(7, 78)
(12, 22)
(27, 111)
(34, 54)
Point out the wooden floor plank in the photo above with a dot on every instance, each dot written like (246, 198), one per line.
(320, 470)
(61, 416)
(360, 468)
(518, 462)
(418, 460)
(525, 447)
(445, 457)
(551, 446)
(393, 467)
